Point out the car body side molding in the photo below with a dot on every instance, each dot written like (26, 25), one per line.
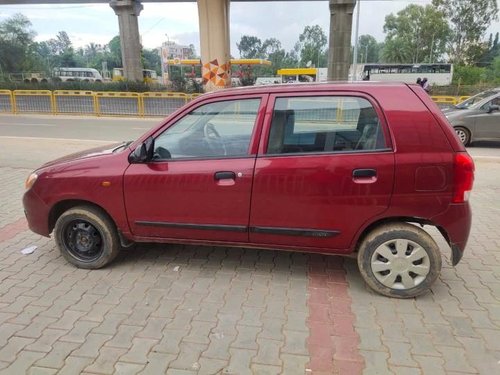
(295, 231)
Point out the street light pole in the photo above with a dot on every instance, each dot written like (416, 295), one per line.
(355, 58)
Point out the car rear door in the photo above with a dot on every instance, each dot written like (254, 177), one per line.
(198, 185)
(325, 167)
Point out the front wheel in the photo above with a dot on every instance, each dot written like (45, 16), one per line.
(399, 260)
(463, 135)
(86, 237)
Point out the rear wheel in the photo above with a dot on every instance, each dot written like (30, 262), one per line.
(399, 260)
(463, 135)
(86, 237)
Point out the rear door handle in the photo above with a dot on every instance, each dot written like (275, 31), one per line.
(225, 175)
(364, 173)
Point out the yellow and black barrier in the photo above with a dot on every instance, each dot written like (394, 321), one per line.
(74, 102)
(162, 103)
(118, 103)
(6, 101)
(126, 103)
(33, 101)
(446, 100)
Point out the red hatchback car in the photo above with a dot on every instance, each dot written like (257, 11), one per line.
(324, 168)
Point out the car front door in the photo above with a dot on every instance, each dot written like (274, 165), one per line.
(488, 123)
(325, 167)
(199, 182)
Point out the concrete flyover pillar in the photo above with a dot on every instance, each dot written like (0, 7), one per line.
(339, 54)
(215, 48)
(128, 12)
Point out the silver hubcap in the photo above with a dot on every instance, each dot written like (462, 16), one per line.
(461, 135)
(400, 264)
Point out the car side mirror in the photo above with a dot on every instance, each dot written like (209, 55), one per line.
(493, 107)
(143, 153)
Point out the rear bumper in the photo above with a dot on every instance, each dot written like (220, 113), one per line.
(37, 213)
(455, 224)
(456, 254)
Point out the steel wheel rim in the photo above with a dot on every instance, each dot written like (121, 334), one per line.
(461, 135)
(83, 240)
(400, 264)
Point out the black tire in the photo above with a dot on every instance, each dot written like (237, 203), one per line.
(463, 134)
(383, 239)
(86, 237)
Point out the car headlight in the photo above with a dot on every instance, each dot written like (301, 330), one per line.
(30, 181)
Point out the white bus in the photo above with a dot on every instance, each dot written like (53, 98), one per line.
(436, 74)
(77, 74)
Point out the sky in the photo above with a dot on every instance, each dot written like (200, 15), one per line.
(178, 22)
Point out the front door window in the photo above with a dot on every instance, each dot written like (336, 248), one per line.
(214, 130)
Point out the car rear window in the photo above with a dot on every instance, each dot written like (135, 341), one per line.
(324, 124)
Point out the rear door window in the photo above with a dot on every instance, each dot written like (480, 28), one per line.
(322, 124)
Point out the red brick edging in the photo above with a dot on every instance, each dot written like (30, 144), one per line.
(13, 229)
(333, 342)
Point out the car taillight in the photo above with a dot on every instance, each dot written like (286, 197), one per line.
(463, 177)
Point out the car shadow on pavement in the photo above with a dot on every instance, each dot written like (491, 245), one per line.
(200, 257)
(487, 144)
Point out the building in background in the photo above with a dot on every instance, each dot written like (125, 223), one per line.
(171, 50)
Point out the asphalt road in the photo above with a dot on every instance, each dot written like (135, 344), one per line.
(27, 141)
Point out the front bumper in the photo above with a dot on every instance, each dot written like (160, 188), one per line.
(37, 213)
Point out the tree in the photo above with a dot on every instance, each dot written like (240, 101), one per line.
(492, 51)
(16, 40)
(368, 49)
(250, 47)
(468, 20)
(493, 71)
(151, 60)
(62, 50)
(115, 50)
(312, 42)
(416, 34)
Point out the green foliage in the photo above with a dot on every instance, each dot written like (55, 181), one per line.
(468, 20)
(468, 75)
(369, 50)
(493, 71)
(312, 43)
(492, 51)
(311, 47)
(16, 38)
(151, 60)
(416, 34)
(250, 47)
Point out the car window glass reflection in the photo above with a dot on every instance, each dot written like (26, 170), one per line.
(220, 129)
(324, 124)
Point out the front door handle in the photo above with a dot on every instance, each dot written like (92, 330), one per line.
(224, 175)
(364, 176)
(364, 173)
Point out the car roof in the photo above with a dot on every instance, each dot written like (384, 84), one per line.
(297, 87)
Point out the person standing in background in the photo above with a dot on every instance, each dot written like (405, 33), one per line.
(426, 86)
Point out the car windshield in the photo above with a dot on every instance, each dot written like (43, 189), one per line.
(475, 99)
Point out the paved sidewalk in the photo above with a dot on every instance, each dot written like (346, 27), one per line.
(202, 310)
